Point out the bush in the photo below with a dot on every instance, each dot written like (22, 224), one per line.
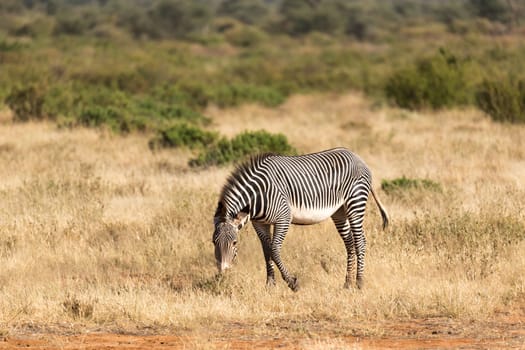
(27, 102)
(302, 17)
(236, 94)
(248, 143)
(244, 36)
(138, 115)
(183, 135)
(167, 112)
(436, 82)
(245, 11)
(198, 95)
(328, 70)
(59, 101)
(241, 146)
(219, 154)
(97, 116)
(494, 10)
(403, 183)
(75, 103)
(502, 100)
(9, 45)
(122, 112)
(93, 107)
(194, 94)
(75, 23)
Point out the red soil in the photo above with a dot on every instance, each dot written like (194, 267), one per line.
(504, 331)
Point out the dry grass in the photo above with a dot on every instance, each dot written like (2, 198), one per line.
(98, 232)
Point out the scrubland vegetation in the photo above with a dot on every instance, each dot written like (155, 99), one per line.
(151, 65)
(101, 233)
(119, 121)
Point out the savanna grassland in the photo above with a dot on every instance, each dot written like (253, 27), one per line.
(100, 233)
(121, 119)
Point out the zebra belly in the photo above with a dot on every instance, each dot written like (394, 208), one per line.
(309, 216)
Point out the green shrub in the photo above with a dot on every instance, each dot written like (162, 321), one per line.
(90, 106)
(75, 23)
(219, 154)
(88, 96)
(179, 18)
(405, 87)
(502, 100)
(183, 135)
(9, 45)
(404, 183)
(436, 82)
(241, 146)
(97, 116)
(328, 70)
(244, 36)
(27, 102)
(194, 94)
(94, 107)
(245, 11)
(198, 95)
(301, 17)
(168, 112)
(137, 115)
(236, 94)
(251, 142)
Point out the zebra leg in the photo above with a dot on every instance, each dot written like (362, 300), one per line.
(356, 224)
(343, 227)
(355, 211)
(263, 232)
(280, 230)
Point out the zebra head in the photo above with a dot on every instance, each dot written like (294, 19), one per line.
(225, 237)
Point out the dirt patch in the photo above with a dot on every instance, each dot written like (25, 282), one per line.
(116, 341)
(503, 332)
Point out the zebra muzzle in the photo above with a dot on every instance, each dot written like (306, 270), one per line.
(223, 266)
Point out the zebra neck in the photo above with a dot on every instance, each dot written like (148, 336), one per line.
(236, 204)
(240, 192)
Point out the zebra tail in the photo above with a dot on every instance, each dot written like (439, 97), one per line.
(384, 214)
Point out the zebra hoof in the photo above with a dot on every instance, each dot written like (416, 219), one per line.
(270, 282)
(294, 284)
(360, 284)
(347, 285)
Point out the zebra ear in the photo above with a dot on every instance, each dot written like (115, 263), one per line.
(241, 218)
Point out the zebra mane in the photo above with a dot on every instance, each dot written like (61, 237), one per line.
(239, 173)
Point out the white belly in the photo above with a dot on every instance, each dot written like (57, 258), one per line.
(305, 216)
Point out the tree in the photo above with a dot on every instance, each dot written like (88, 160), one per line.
(178, 18)
(494, 10)
(302, 17)
(246, 11)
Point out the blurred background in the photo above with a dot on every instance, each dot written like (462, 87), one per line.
(157, 66)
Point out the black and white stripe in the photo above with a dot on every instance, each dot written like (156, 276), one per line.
(282, 190)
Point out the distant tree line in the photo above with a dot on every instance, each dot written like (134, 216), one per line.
(196, 53)
(156, 19)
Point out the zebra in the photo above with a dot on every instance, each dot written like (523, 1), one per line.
(271, 189)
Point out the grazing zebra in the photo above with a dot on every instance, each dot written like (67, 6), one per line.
(280, 190)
